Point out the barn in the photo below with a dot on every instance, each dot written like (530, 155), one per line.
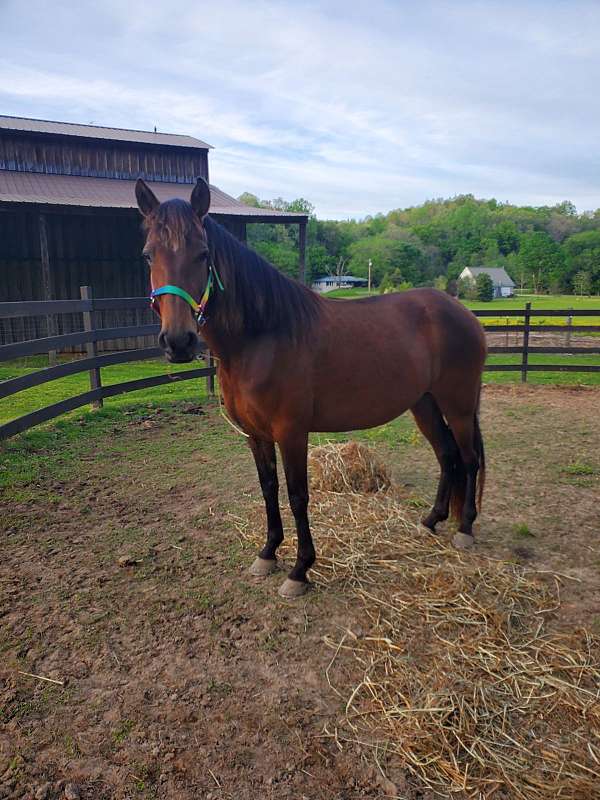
(68, 215)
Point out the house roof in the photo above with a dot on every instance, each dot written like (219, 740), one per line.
(341, 279)
(71, 190)
(498, 275)
(24, 124)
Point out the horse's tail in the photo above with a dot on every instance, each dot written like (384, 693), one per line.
(480, 450)
(459, 474)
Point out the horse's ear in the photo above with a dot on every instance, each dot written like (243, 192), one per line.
(201, 197)
(146, 199)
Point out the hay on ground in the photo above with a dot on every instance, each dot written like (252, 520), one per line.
(459, 680)
(346, 467)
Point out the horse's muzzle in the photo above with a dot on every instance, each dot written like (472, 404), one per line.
(179, 348)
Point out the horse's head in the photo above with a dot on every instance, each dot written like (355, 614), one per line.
(178, 255)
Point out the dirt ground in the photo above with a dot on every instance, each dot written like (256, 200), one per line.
(176, 675)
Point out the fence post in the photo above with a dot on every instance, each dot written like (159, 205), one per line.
(526, 343)
(569, 324)
(92, 350)
(210, 379)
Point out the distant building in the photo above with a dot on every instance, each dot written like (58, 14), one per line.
(504, 286)
(327, 283)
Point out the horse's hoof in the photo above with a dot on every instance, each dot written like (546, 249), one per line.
(430, 528)
(291, 589)
(263, 567)
(463, 541)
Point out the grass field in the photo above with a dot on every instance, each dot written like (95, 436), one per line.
(538, 302)
(32, 399)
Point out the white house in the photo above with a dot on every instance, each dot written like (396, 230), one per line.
(327, 283)
(504, 286)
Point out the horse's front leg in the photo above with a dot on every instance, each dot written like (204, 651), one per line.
(266, 466)
(294, 450)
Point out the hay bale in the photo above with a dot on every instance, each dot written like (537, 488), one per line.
(346, 467)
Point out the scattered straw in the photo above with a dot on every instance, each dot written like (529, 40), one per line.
(458, 679)
(41, 678)
(347, 467)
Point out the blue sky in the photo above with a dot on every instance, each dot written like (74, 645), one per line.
(358, 107)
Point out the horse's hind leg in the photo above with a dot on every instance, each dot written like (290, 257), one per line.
(266, 466)
(464, 428)
(432, 425)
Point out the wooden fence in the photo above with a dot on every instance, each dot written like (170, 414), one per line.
(88, 338)
(527, 328)
(92, 363)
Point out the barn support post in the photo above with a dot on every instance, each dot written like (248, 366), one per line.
(91, 348)
(302, 252)
(525, 358)
(47, 283)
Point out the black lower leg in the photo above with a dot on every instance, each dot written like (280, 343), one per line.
(294, 452)
(470, 507)
(441, 505)
(432, 425)
(266, 466)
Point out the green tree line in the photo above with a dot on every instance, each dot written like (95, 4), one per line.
(547, 249)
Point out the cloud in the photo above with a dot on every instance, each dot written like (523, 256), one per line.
(359, 108)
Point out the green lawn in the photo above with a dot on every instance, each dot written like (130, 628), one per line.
(31, 399)
(538, 302)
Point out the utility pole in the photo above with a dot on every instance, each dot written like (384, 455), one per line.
(370, 265)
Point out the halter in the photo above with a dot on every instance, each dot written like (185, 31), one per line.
(197, 308)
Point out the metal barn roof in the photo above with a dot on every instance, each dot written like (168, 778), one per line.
(71, 190)
(27, 125)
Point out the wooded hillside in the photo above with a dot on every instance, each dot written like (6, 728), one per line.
(548, 249)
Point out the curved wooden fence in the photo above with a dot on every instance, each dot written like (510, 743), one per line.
(93, 363)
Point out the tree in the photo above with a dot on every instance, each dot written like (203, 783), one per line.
(541, 259)
(485, 287)
(467, 289)
(249, 199)
(582, 283)
(339, 269)
(582, 254)
(441, 283)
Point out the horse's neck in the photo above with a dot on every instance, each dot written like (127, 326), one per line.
(223, 347)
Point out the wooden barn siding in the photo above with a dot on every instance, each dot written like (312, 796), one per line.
(98, 250)
(101, 251)
(100, 159)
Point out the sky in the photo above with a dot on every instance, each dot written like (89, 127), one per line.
(359, 107)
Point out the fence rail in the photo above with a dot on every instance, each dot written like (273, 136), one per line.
(93, 363)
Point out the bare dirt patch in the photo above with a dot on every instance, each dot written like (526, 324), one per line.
(183, 677)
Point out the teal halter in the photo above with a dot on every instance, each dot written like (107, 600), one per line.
(198, 308)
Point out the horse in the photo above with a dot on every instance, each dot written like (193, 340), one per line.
(291, 362)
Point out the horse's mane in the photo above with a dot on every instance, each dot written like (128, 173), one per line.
(257, 297)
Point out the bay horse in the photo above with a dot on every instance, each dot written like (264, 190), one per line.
(290, 362)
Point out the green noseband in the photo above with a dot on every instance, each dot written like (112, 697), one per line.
(198, 308)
